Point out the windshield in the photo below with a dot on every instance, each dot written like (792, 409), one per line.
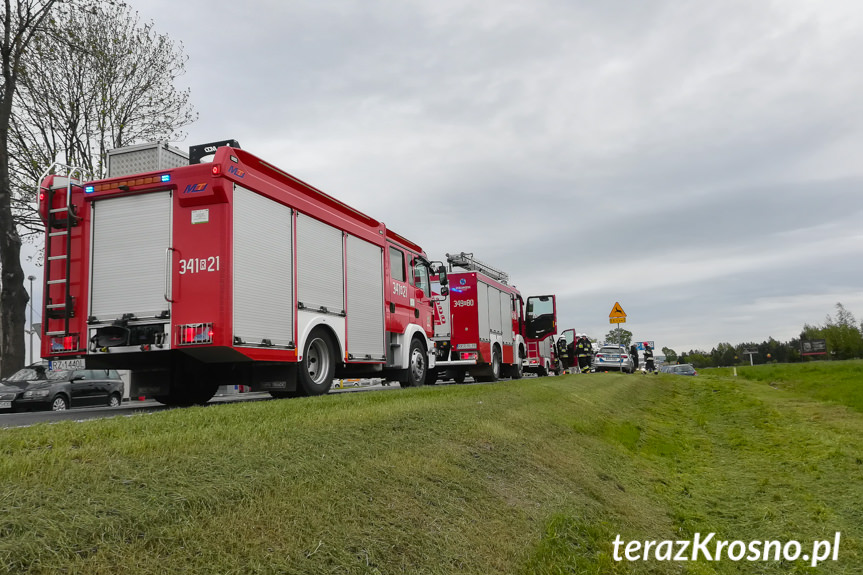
(27, 374)
(38, 373)
(610, 350)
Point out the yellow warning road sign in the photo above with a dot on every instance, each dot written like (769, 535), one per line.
(617, 311)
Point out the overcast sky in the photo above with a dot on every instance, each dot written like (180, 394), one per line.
(696, 161)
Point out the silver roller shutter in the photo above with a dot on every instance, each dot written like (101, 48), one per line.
(506, 317)
(365, 313)
(131, 237)
(482, 308)
(494, 322)
(263, 270)
(320, 266)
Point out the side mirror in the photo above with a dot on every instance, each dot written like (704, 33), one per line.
(441, 272)
(444, 291)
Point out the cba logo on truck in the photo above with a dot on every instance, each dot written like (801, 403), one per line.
(193, 188)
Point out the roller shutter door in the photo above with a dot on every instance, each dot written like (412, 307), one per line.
(131, 237)
(494, 309)
(320, 266)
(506, 317)
(263, 270)
(365, 313)
(482, 308)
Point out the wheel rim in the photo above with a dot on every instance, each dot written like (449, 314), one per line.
(495, 365)
(59, 404)
(114, 401)
(318, 361)
(417, 365)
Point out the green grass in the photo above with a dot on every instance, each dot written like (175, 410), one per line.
(835, 381)
(532, 476)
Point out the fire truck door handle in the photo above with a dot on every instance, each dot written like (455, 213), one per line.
(416, 313)
(392, 307)
(168, 274)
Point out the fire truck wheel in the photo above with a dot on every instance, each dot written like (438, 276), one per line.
(319, 365)
(432, 377)
(515, 370)
(458, 376)
(417, 365)
(492, 373)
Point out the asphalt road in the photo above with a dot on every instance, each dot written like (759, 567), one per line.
(130, 408)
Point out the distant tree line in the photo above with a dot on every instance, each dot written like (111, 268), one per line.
(842, 334)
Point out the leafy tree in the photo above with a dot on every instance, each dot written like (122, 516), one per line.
(844, 339)
(79, 77)
(723, 354)
(620, 336)
(670, 355)
(22, 21)
(103, 81)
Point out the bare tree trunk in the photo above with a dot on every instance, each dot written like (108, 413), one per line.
(13, 296)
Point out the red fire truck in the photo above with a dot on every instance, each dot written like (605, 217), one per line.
(192, 275)
(480, 328)
(541, 326)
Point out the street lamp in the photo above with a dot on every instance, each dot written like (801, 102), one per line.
(31, 278)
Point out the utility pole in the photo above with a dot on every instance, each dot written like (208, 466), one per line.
(31, 278)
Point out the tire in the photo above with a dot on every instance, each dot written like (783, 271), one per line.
(492, 372)
(432, 377)
(59, 403)
(496, 364)
(516, 370)
(417, 365)
(114, 400)
(458, 376)
(318, 367)
(542, 371)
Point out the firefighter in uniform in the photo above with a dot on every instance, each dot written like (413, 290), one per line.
(563, 353)
(648, 359)
(633, 352)
(583, 349)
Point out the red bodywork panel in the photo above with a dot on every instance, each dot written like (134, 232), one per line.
(201, 255)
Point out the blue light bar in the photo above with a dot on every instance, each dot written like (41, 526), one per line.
(89, 189)
(166, 177)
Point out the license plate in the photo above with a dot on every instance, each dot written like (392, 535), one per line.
(5, 405)
(65, 364)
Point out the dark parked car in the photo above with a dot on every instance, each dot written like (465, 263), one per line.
(682, 369)
(35, 387)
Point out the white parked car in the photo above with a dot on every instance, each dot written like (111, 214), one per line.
(613, 358)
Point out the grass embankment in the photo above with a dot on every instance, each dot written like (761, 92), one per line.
(533, 476)
(835, 381)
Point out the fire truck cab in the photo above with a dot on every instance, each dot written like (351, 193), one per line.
(480, 328)
(228, 272)
(540, 328)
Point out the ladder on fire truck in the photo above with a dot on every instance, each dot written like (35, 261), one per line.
(58, 231)
(467, 262)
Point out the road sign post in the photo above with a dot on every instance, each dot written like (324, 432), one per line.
(618, 316)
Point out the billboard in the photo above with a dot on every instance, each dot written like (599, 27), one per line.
(813, 347)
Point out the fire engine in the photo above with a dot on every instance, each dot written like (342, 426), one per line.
(540, 328)
(193, 275)
(479, 327)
